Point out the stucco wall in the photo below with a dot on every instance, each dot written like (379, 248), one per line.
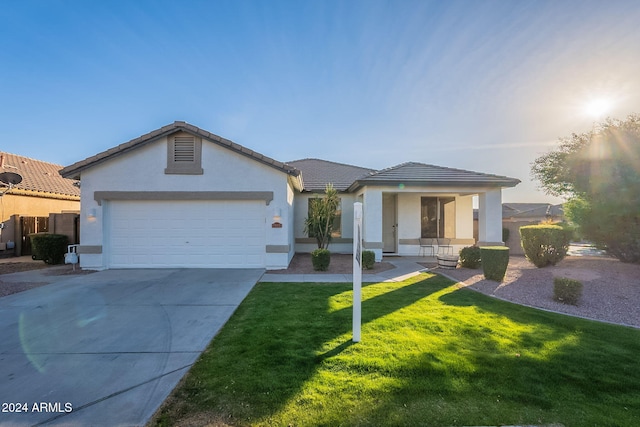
(304, 244)
(459, 219)
(31, 206)
(143, 169)
(458, 222)
(464, 217)
(35, 206)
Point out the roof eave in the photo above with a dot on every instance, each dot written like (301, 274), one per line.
(474, 184)
(323, 190)
(42, 194)
(73, 171)
(296, 182)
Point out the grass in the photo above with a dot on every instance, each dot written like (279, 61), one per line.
(431, 354)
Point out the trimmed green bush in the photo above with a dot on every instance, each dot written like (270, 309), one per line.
(567, 291)
(495, 260)
(470, 257)
(545, 244)
(505, 234)
(49, 247)
(368, 259)
(320, 258)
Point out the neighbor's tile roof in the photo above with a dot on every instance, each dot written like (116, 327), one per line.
(38, 176)
(316, 174)
(531, 210)
(413, 173)
(74, 170)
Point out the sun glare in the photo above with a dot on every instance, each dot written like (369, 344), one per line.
(598, 107)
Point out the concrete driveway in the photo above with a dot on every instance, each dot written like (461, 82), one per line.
(108, 348)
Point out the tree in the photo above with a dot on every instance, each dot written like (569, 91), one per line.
(599, 172)
(321, 216)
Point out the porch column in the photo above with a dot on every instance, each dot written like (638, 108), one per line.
(490, 218)
(372, 222)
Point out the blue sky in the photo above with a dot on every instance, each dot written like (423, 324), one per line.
(473, 84)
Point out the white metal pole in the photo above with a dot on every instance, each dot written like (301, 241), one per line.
(357, 270)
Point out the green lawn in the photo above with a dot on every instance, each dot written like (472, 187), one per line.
(431, 354)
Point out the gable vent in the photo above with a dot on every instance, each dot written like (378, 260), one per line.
(184, 149)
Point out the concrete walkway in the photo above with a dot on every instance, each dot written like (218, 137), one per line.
(405, 267)
(107, 348)
(24, 258)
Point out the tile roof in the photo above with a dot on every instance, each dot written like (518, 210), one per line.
(39, 177)
(412, 173)
(316, 174)
(528, 210)
(531, 210)
(74, 170)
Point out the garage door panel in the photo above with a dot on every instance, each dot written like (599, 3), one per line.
(187, 233)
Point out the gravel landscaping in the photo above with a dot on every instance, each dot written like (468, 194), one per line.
(611, 289)
(7, 266)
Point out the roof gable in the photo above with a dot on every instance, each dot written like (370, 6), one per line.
(38, 176)
(413, 173)
(316, 174)
(74, 170)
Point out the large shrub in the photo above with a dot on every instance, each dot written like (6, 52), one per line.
(470, 257)
(368, 259)
(49, 247)
(505, 234)
(495, 260)
(567, 291)
(598, 172)
(545, 244)
(320, 258)
(609, 225)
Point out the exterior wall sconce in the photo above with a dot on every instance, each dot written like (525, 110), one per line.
(91, 216)
(277, 217)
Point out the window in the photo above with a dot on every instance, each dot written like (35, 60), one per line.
(437, 216)
(336, 230)
(184, 154)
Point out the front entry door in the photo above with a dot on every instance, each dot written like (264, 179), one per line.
(389, 223)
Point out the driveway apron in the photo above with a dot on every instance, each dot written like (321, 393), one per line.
(108, 348)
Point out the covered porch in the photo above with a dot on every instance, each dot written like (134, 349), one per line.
(412, 209)
(417, 209)
(423, 222)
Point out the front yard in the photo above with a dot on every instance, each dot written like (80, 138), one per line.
(431, 354)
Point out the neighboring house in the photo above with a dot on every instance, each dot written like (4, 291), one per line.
(532, 212)
(183, 197)
(516, 215)
(42, 192)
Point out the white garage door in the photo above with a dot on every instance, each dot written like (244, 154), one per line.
(200, 234)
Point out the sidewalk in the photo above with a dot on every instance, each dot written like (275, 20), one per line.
(24, 258)
(405, 267)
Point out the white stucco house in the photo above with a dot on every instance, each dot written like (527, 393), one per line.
(183, 197)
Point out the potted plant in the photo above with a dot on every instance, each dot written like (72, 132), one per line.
(448, 262)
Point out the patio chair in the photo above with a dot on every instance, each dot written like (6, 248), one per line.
(445, 245)
(427, 244)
